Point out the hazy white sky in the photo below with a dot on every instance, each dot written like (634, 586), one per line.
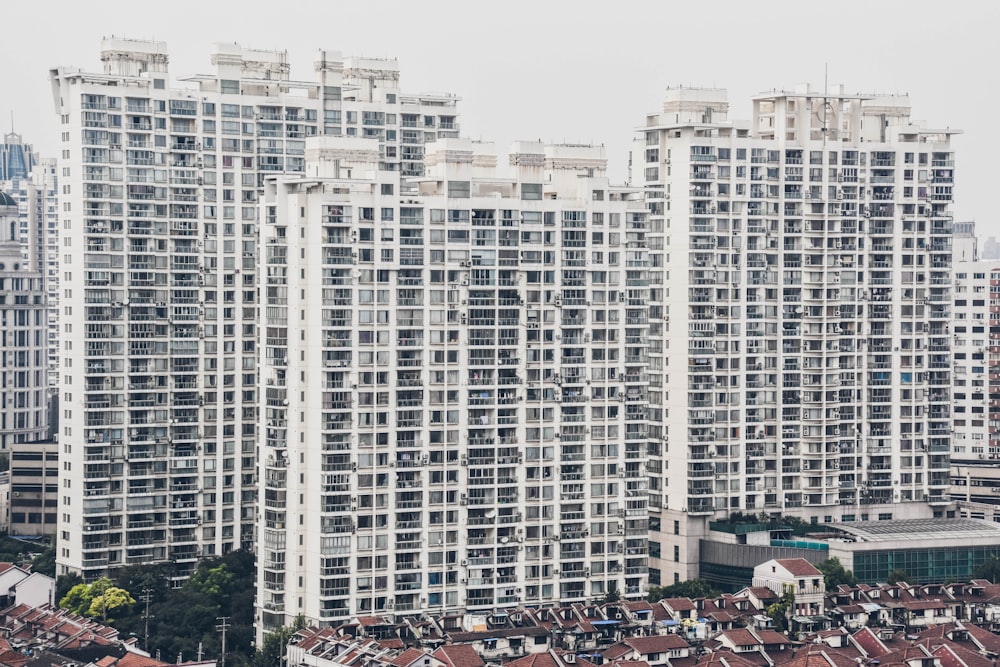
(583, 71)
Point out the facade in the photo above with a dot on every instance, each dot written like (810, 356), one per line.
(159, 380)
(453, 413)
(23, 339)
(34, 488)
(795, 575)
(799, 351)
(927, 550)
(965, 243)
(976, 380)
(17, 158)
(37, 197)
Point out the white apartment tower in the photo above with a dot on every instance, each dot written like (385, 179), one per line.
(975, 332)
(159, 360)
(40, 193)
(800, 357)
(33, 184)
(24, 414)
(453, 410)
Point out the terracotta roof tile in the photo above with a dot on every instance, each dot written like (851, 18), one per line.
(408, 657)
(459, 655)
(799, 567)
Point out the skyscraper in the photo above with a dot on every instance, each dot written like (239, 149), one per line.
(159, 359)
(16, 157)
(453, 408)
(800, 361)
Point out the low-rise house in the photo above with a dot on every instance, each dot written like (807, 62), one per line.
(795, 575)
(552, 658)
(459, 655)
(657, 650)
(746, 640)
(21, 586)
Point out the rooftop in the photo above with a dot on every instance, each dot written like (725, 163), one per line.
(919, 529)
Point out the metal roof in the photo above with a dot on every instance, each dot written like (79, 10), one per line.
(918, 529)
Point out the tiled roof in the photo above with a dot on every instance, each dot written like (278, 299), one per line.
(740, 637)
(656, 643)
(799, 567)
(408, 657)
(459, 655)
(680, 604)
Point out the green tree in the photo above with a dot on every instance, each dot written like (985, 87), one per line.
(96, 600)
(835, 574)
(988, 570)
(692, 588)
(110, 600)
(45, 562)
(77, 599)
(778, 612)
(212, 581)
(65, 582)
(897, 576)
(272, 652)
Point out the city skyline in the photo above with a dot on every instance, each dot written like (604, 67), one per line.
(553, 52)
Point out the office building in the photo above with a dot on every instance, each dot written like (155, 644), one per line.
(17, 158)
(452, 366)
(158, 367)
(23, 328)
(800, 353)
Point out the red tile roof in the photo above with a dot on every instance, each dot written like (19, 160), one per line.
(546, 660)
(459, 655)
(408, 657)
(656, 643)
(740, 637)
(799, 567)
(770, 637)
(763, 593)
(680, 604)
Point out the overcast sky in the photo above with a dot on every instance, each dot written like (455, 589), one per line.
(582, 72)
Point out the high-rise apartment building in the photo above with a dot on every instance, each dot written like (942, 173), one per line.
(159, 210)
(975, 330)
(37, 196)
(453, 388)
(800, 354)
(23, 341)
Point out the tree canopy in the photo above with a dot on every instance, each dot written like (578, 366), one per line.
(897, 576)
(988, 570)
(101, 600)
(181, 615)
(779, 611)
(835, 574)
(692, 588)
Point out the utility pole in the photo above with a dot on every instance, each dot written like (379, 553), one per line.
(222, 627)
(147, 594)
